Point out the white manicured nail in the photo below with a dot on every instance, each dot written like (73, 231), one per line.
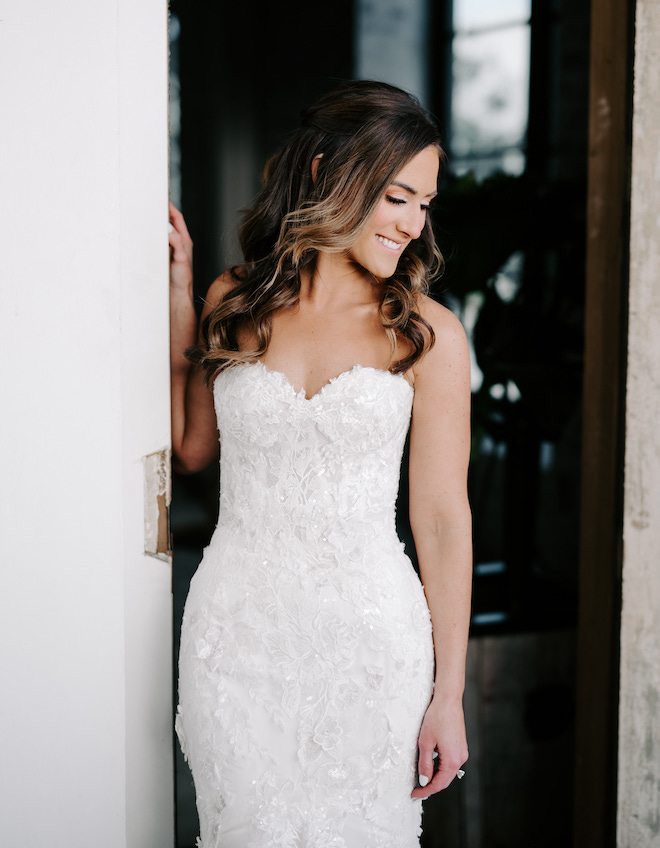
(423, 780)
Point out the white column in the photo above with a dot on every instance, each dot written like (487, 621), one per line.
(639, 716)
(85, 630)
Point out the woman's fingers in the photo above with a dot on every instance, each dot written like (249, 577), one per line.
(178, 220)
(447, 772)
(443, 777)
(180, 229)
(425, 765)
(180, 253)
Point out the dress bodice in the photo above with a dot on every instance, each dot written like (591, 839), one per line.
(314, 465)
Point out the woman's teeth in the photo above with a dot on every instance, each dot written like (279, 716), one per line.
(393, 245)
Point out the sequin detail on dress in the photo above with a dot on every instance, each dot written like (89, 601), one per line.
(306, 657)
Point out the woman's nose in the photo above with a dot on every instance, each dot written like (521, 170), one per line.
(412, 222)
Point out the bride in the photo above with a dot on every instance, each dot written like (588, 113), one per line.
(320, 689)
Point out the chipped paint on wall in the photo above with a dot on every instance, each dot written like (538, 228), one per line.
(157, 497)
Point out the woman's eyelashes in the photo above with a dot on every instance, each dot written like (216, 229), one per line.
(399, 201)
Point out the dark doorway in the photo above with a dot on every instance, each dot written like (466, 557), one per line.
(511, 223)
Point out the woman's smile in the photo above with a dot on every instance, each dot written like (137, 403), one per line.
(390, 244)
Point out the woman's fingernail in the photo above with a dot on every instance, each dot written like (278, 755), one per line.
(423, 780)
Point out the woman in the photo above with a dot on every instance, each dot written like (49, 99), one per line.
(314, 694)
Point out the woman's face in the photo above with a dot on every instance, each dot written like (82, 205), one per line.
(400, 216)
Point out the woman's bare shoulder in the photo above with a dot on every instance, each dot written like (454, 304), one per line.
(446, 326)
(220, 287)
(450, 349)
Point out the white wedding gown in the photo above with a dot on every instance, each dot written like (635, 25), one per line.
(306, 658)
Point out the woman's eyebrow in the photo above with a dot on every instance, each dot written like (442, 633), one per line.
(411, 190)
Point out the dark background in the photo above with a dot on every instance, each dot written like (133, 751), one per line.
(242, 73)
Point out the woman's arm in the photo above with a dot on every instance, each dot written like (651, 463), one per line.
(442, 529)
(194, 429)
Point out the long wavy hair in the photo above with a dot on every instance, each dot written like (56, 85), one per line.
(366, 132)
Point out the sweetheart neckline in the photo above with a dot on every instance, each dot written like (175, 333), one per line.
(302, 394)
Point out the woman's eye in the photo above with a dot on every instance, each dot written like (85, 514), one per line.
(396, 200)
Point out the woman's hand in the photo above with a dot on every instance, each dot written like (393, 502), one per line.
(181, 248)
(443, 730)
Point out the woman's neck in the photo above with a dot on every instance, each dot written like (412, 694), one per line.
(336, 279)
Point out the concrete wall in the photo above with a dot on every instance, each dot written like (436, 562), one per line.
(85, 630)
(639, 716)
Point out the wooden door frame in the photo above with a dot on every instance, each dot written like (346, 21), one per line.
(608, 224)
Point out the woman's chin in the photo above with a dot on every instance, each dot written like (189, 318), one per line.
(382, 270)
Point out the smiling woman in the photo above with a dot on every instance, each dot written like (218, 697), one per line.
(321, 194)
(308, 708)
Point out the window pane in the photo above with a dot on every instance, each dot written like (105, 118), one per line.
(391, 43)
(490, 91)
(511, 161)
(469, 14)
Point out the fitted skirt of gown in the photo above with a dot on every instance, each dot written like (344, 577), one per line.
(306, 658)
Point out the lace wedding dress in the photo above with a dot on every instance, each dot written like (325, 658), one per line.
(306, 658)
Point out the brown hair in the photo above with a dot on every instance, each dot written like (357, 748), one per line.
(367, 132)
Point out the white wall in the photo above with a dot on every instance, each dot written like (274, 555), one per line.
(85, 627)
(639, 715)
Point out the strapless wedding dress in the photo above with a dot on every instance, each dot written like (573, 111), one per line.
(306, 659)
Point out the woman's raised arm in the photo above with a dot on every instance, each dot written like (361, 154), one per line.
(442, 528)
(194, 431)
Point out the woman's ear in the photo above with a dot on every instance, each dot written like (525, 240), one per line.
(315, 166)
